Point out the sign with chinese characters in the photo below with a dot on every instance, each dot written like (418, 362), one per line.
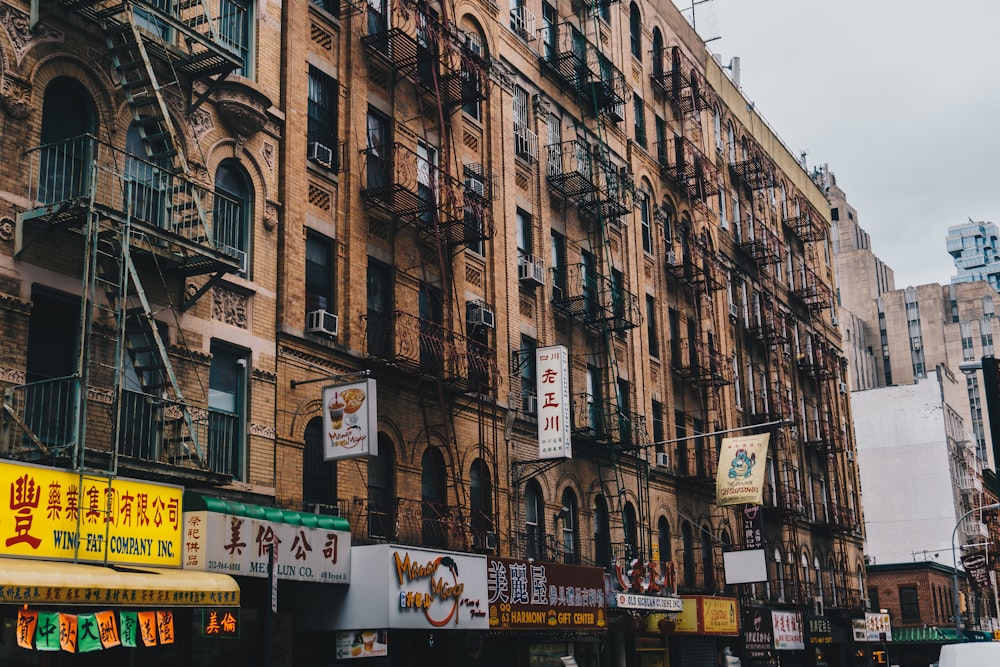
(61, 515)
(552, 386)
(646, 578)
(877, 627)
(752, 538)
(350, 420)
(220, 622)
(524, 595)
(708, 615)
(362, 644)
(759, 634)
(429, 589)
(239, 546)
(818, 630)
(83, 633)
(787, 630)
(742, 461)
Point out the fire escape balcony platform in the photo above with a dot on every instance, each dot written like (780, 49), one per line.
(570, 169)
(596, 301)
(709, 368)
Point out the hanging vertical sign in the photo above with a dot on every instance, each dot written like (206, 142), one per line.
(742, 461)
(552, 386)
(350, 420)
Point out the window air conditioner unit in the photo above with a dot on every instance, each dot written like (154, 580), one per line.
(671, 258)
(834, 320)
(843, 387)
(662, 460)
(491, 540)
(531, 270)
(733, 313)
(324, 508)
(530, 404)
(866, 603)
(321, 322)
(916, 347)
(818, 606)
(478, 313)
(476, 187)
(320, 154)
(850, 456)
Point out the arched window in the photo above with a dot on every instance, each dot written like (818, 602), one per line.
(570, 527)
(717, 127)
(663, 540)
(631, 527)
(144, 179)
(232, 211)
(534, 521)
(481, 502)
(731, 142)
(602, 533)
(635, 30)
(68, 116)
(707, 561)
(834, 574)
(819, 576)
(433, 492)
(381, 490)
(473, 85)
(807, 591)
(687, 540)
(657, 54)
(779, 575)
(861, 580)
(319, 476)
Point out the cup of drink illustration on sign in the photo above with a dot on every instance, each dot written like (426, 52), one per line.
(337, 412)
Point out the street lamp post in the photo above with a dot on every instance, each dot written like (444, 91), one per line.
(954, 559)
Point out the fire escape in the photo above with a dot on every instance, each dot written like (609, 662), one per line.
(144, 222)
(586, 174)
(415, 184)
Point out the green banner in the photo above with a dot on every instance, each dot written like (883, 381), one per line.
(129, 621)
(47, 631)
(88, 634)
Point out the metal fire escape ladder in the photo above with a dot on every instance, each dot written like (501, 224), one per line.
(614, 475)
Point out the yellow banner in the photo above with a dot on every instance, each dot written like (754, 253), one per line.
(62, 515)
(687, 620)
(742, 462)
(719, 616)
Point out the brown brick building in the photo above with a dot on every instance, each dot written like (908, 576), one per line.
(429, 194)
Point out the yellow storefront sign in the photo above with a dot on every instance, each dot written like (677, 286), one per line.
(719, 616)
(687, 620)
(63, 515)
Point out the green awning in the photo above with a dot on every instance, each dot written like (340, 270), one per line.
(194, 502)
(931, 634)
(978, 636)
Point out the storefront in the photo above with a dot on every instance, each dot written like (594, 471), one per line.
(872, 640)
(543, 614)
(789, 638)
(279, 558)
(405, 607)
(642, 602)
(707, 631)
(91, 574)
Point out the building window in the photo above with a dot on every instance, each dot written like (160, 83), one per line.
(232, 212)
(558, 265)
(602, 533)
(144, 179)
(377, 154)
(235, 32)
(471, 83)
(227, 387)
(663, 540)
(319, 476)
(639, 109)
(534, 525)
(322, 113)
(657, 54)
(481, 503)
(381, 491)
(687, 541)
(631, 530)
(68, 115)
(319, 272)
(909, 604)
(654, 340)
(707, 561)
(646, 220)
(524, 245)
(635, 30)
(433, 495)
(330, 6)
(378, 321)
(570, 528)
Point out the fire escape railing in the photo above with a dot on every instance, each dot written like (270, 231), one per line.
(597, 420)
(596, 300)
(417, 345)
(410, 188)
(688, 168)
(767, 324)
(705, 366)
(753, 168)
(758, 241)
(581, 70)
(812, 291)
(802, 218)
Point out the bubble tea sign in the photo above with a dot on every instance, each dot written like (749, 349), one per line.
(350, 420)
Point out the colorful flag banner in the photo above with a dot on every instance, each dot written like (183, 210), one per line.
(47, 632)
(67, 632)
(108, 627)
(129, 624)
(165, 626)
(742, 462)
(26, 621)
(147, 627)
(88, 635)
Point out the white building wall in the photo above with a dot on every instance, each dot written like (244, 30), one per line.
(905, 471)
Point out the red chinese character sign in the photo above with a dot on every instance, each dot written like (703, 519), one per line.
(552, 387)
(350, 420)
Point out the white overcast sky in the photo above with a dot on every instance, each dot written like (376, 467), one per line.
(901, 98)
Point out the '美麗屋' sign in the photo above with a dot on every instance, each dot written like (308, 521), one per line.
(61, 515)
(240, 546)
(524, 595)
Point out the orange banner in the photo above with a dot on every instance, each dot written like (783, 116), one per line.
(107, 626)
(147, 627)
(26, 622)
(67, 632)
